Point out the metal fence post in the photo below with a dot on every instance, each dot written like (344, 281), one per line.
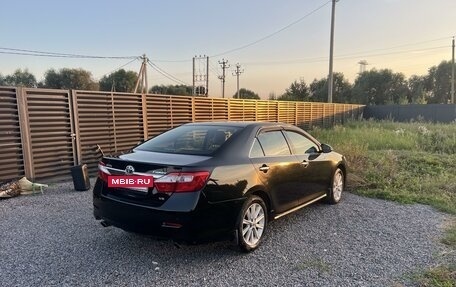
(24, 125)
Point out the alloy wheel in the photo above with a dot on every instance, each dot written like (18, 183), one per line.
(253, 224)
(338, 185)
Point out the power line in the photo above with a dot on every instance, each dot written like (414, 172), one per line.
(379, 49)
(272, 34)
(214, 68)
(124, 65)
(341, 57)
(404, 45)
(166, 74)
(26, 52)
(171, 61)
(41, 55)
(14, 51)
(348, 56)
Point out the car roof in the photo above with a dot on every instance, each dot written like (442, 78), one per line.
(241, 124)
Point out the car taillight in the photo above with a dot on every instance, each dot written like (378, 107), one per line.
(182, 181)
(103, 171)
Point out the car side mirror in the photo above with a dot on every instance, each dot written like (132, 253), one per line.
(326, 148)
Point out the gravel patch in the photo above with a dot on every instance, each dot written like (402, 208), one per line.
(53, 240)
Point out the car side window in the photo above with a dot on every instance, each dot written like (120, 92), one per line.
(274, 143)
(300, 143)
(256, 150)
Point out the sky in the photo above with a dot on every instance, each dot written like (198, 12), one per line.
(276, 42)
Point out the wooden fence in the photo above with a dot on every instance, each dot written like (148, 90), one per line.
(44, 132)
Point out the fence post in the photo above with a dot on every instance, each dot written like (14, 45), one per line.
(344, 114)
(278, 112)
(171, 119)
(144, 116)
(324, 115)
(193, 109)
(74, 114)
(296, 113)
(24, 126)
(311, 116)
(114, 121)
(229, 108)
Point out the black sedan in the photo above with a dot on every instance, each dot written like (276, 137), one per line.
(218, 179)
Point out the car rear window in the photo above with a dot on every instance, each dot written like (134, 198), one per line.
(190, 139)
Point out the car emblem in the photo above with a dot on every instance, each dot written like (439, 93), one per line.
(129, 169)
(159, 171)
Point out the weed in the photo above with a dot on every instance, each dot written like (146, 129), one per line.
(450, 235)
(440, 276)
(317, 264)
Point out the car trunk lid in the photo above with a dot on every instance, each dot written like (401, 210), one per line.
(163, 167)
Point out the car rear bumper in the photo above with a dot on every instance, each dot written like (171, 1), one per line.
(205, 221)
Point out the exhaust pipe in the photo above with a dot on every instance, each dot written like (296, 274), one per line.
(105, 223)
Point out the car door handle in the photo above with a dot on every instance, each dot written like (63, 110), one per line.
(305, 163)
(264, 168)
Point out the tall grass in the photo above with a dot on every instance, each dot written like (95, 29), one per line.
(405, 162)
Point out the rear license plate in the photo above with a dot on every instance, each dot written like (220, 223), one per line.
(133, 182)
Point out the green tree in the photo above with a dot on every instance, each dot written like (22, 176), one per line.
(418, 91)
(246, 94)
(438, 83)
(298, 91)
(380, 87)
(119, 81)
(341, 89)
(178, 90)
(66, 78)
(20, 79)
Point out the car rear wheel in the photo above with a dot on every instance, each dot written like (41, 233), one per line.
(337, 187)
(252, 223)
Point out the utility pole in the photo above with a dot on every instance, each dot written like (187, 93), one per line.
(194, 80)
(362, 66)
(200, 75)
(452, 74)
(224, 64)
(142, 76)
(331, 50)
(207, 76)
(237, 73)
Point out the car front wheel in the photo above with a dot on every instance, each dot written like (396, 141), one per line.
(252, 223)
(337, 187)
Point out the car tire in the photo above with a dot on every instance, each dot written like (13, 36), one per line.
(337, 187)
(252, 223)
